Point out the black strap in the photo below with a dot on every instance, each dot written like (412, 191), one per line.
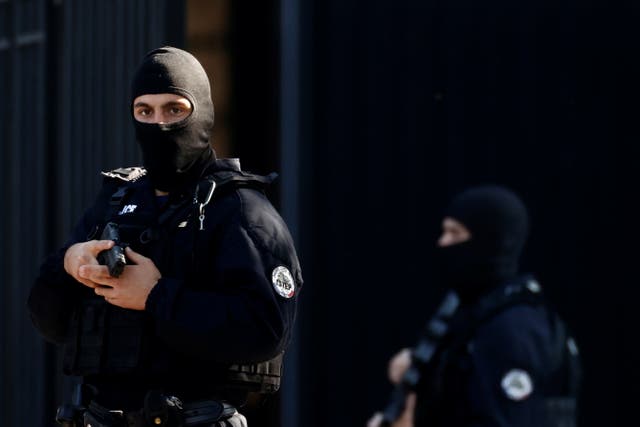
(171, 211)
(223, 178)
(225, 181)
(567, 356)
(115, 202)
(525, 291)
(206, 412)
(161, 413)
(215, 184)
(211, 186)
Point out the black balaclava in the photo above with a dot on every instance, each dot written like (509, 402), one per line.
(174, 153)
(498, 222)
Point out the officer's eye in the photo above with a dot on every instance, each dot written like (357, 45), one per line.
(144, 112)
(176, 111)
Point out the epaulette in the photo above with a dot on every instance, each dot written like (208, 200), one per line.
(131, 174)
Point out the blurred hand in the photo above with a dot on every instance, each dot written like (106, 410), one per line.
(399, 365)
(405, 420)
(132, 288)
(375, 420)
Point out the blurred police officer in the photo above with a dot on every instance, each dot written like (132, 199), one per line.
(203, 310)
(503, 357)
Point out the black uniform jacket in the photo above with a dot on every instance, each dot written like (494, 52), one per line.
(217, 303)
(509, 369)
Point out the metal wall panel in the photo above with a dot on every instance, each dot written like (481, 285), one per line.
(291, 182)
(102, 43)
(65, 68)
(401, 104)
(22, 133)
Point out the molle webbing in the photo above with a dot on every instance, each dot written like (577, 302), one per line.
(263, 377)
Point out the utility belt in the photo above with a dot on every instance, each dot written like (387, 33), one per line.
(158, 411)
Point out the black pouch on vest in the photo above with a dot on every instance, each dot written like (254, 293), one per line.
(93, 419)
(83, 352)
(106, 339)
(261, 377)
(206, 412)
(126, 340)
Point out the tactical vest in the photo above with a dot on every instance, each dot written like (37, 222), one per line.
(106, 339)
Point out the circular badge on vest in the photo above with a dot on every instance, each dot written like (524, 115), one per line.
(517, 384)
(283, 282)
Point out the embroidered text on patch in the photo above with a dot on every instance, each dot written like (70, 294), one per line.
(283, 282)
(127, 209)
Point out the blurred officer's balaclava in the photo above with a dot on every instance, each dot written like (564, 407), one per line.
(498, 222)
(173, 153)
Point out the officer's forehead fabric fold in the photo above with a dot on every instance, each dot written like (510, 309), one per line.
(491, 211)
(170, 70)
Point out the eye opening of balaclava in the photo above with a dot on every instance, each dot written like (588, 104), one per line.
(499, 223)
(174, 153)
(173, 125)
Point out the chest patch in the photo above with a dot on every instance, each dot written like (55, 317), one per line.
(283, 282)
(517, 384)
(127, 209)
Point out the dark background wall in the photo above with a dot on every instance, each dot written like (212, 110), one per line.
(374, 113)
(22, 133)
(407, 102)
(65, 68)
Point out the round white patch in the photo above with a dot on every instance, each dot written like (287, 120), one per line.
(517, 384)
(283, 282)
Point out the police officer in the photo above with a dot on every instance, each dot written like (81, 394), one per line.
(202, 312)
(497, 355)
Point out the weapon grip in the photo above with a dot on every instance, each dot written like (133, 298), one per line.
(113, 258)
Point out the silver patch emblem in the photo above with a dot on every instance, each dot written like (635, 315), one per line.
(517, 384)
(283, 282)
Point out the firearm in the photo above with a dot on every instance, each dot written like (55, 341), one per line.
(421, 357)
(113, 258)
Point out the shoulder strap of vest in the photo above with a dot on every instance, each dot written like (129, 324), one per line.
(220, 181)
(525, 291)
(115, 201)
(567, 356)
(233, 179)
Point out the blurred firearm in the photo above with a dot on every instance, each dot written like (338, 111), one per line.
(421, 357)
